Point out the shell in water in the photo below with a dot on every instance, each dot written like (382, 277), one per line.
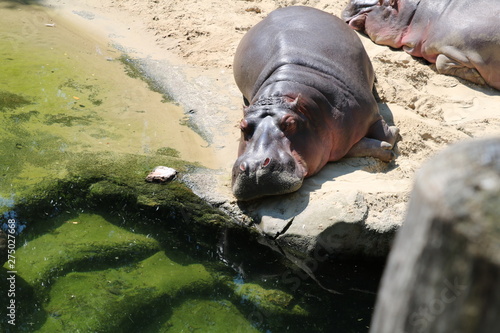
(161, 174)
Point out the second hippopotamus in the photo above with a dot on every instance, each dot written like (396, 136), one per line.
(307, 86)
(461, 36)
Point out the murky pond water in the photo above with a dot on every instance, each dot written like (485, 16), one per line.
(97, 248)
(62, 92)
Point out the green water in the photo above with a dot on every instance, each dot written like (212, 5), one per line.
(168, 264)
(62, 92)
(100, 250)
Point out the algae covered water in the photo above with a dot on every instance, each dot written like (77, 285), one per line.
(63, 91)
(96, 248)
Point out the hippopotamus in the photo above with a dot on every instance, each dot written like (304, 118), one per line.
(461, 37)
(307, 85)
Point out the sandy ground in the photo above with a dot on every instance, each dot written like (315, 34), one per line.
(200, 36)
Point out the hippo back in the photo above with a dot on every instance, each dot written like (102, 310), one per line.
(311, 39)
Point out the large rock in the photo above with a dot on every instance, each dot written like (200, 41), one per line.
(442, 274)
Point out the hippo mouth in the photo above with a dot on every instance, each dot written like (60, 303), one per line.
(251, 181)
(259, 184)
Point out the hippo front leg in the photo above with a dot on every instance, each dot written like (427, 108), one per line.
(448, 66)
(367, 147)
(379, 143)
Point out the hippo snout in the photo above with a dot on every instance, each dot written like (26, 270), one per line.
(255, 177)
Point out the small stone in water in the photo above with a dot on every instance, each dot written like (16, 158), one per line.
(161, 174)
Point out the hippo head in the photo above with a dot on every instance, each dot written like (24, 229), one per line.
(384, 21)
(270, 158)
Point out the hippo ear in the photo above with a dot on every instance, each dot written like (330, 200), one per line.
(358, 22)
(295, 104)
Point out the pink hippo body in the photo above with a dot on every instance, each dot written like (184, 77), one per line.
(307, 85)
(461, 37)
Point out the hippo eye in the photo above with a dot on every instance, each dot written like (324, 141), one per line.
(288, 124)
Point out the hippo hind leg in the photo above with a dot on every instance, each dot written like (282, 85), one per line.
(448, 66)
(378, 143)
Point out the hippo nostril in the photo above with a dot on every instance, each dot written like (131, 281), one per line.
(243, 166)
(266, 162)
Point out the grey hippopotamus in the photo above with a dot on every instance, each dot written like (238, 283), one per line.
(461, 36)
(307, 86)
